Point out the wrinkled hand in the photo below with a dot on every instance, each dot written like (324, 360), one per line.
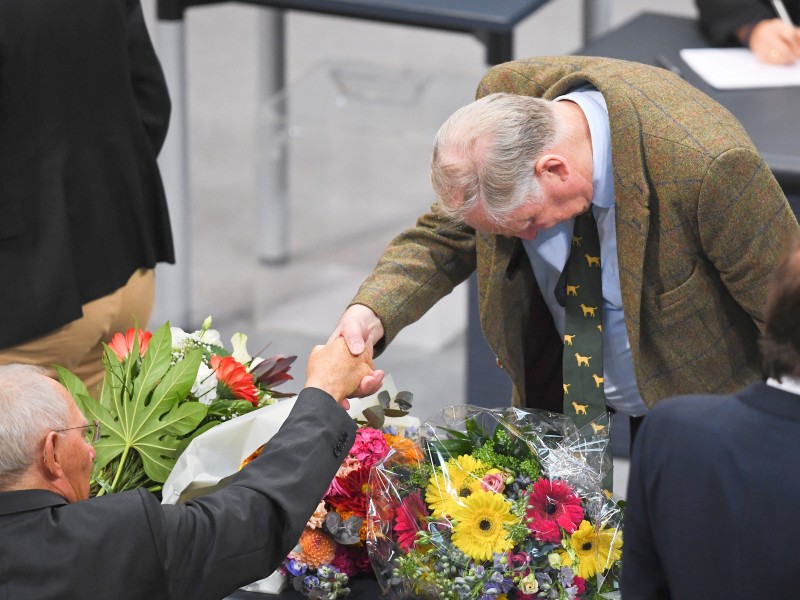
(775, 42)
(334, 369)
(361, 329)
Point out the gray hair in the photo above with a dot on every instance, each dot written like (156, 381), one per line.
(29, 408)
(484, 154)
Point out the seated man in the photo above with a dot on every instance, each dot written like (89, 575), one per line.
(713, 488)
(57, 544)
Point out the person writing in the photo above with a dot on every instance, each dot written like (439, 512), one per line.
(56, 544)
(761, 25)
(690, 220)
(713, 514)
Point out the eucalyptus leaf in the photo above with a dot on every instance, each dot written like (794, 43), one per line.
(374, 416)
(404, 400)
(384, 398)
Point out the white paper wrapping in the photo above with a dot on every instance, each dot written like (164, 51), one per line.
(216, 455)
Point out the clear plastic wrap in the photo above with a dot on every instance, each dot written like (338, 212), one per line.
(506, 504)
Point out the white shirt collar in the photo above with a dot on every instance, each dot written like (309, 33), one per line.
(594, 109)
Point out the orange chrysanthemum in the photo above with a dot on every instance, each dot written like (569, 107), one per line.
(252, 457)
(317, 548)
(404, 447)
(123, 344)
(233, 375)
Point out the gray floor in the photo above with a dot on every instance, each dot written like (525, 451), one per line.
(354, 184)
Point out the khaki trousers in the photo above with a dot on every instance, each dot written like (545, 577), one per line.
(78, 345)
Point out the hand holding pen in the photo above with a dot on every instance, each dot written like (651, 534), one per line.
(776, 41)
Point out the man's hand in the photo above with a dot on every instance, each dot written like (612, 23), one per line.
(361, 329)
(775, 42)
(334, 369)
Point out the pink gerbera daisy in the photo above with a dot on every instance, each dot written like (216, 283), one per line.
(553, 505)
(349, 493)
(408, 516)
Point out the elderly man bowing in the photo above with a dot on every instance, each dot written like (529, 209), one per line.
(688, 224)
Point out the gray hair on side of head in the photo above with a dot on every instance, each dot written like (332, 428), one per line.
(30, 407)
(485, 153)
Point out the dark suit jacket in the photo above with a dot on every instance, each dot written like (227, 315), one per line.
(719, 19)
(701, 223)
(129, 546)
(83, 113)
(712, 499)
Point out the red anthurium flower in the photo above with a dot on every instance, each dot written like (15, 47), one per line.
(552, 504)
(234, 376)
(123, 344)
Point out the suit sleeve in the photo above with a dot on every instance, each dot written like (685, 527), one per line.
(420, 266)
(719, 19)
(745, 224)
(147, 78)
(643, 575)
(212, 545)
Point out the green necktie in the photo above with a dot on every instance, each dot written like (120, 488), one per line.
(583, 349)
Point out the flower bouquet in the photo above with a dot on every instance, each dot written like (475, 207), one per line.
(332, 548)
(160, 391)
(506, 504)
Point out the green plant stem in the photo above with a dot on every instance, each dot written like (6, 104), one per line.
(122, 461)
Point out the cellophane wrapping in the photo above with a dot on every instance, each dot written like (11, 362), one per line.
(506, 504)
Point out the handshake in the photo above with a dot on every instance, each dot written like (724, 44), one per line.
(332, 368)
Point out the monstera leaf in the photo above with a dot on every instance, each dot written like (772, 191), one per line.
(141, 410)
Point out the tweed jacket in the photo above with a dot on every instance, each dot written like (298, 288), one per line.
(700, 223)
(128, 546)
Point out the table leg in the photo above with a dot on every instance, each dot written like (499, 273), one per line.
(173, 297)
(272, 140)
(596, 19)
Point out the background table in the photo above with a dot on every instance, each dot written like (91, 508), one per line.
(769, 115)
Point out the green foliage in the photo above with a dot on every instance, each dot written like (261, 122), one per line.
(142, 410)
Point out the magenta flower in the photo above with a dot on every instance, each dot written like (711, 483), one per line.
(553, 505)
(407, 520)
(370, 446)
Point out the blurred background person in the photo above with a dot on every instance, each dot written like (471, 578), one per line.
(754, 24)
(733, 458)
(84, 111)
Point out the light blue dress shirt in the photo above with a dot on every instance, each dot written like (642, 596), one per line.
(549, 251)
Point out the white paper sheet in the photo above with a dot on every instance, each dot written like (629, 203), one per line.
(738, 68)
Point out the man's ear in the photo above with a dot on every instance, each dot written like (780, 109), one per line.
(53, 466)
(552, 165)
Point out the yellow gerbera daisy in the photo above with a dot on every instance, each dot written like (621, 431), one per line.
(594, 551)
(458, 479)
(480, 530)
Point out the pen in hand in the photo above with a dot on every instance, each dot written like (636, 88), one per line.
(782, 12)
